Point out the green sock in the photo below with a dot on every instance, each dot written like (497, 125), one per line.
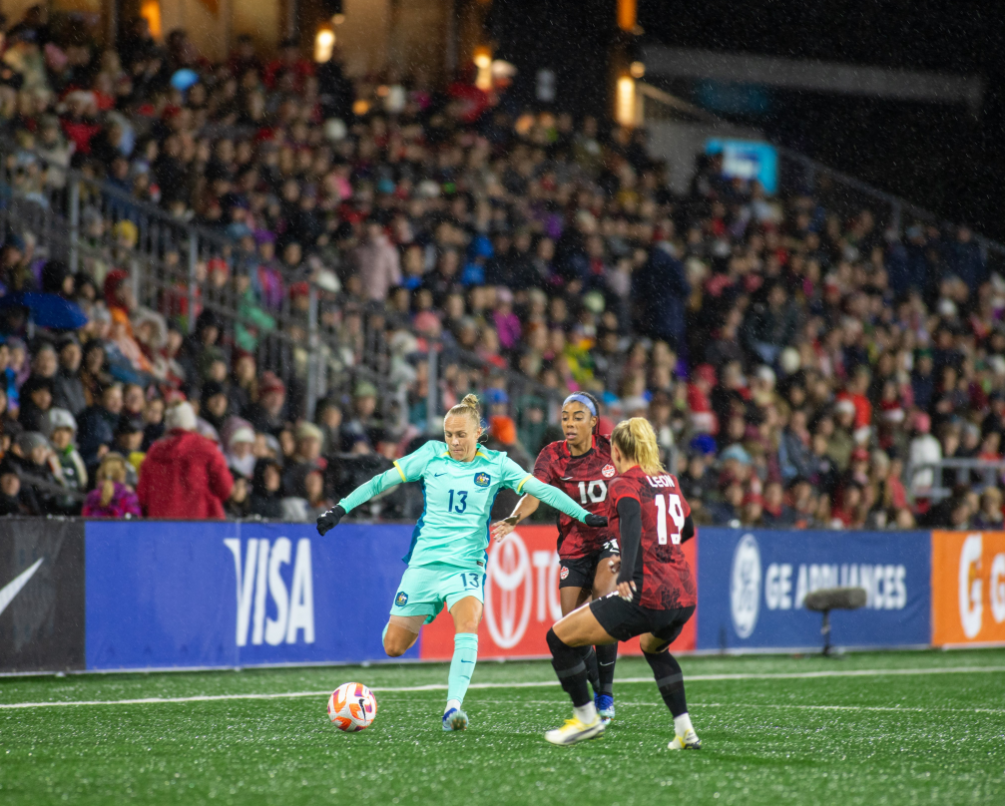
(462, 666)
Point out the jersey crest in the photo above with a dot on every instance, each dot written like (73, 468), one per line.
(482, 479)
(401, 599)
(608, 472)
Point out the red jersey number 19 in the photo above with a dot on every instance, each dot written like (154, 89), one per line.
(669, 503)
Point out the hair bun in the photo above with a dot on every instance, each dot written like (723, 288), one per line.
(471, 401)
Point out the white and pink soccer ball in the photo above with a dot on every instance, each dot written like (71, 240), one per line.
(352, 707)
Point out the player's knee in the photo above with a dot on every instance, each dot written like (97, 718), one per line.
(555, 644)
(394, 647)
(652, 645)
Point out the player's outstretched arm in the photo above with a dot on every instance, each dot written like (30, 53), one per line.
(524, 508)
(562, 502)
(375, 486)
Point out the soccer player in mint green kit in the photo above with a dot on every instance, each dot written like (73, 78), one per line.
(447, 558)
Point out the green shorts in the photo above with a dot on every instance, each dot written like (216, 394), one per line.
(425, 589)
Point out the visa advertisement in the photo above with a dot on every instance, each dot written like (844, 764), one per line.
(752, 586)
(238, 594)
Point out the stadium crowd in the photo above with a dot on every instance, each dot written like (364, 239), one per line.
(802, 366)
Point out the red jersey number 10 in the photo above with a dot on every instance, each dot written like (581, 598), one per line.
(594, 492)
(669, 503)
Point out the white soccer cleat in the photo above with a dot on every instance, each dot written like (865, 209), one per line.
(574, 731)
(689, 741)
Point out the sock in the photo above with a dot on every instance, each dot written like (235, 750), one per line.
(682, 724)
(592, 668)
(587, 714)
(669, 680)
(570, 668)
(452, 704)
(607, 655)
(462, 666)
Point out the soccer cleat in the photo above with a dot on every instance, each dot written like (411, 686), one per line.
(455, 719)
(605, 706)
(574, 731)
(689, 741)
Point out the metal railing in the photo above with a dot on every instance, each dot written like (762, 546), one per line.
(315, 341)
(177, 269)
(976, 474)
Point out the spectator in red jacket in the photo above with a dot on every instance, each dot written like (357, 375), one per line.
(184, 474)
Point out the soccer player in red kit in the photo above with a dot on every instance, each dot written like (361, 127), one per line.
(580, 466)
(655, 594)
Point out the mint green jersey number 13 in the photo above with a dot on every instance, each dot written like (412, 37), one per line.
(454, 526)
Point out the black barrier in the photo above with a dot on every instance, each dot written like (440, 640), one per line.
(41, 595)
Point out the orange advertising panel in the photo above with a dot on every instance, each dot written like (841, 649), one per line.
(521, 602)
(968, 587)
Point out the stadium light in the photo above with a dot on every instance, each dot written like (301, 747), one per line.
(627, 15)
(150, 10)
(624, 105)
(324, 45)
(483, 61)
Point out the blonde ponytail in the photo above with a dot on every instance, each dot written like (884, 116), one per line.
(468, 407)
(636, 440)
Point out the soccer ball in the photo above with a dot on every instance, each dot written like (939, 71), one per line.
(352, 707)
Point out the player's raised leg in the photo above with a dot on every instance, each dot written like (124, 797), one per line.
(467, 613)
(670, 682)
(565, 640)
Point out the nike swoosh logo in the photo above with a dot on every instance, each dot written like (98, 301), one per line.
(608, 664)
(566, 479)
(437, 475)
(13, 588)
(466, 661)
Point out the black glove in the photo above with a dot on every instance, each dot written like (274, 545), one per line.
(329, 520)
(595, 521)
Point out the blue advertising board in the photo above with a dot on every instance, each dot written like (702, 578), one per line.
(747, 160)
(203, 594)
(752, 585)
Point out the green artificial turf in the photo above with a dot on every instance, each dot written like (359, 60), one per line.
(841, 738)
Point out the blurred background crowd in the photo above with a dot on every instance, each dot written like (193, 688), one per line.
(802, 366)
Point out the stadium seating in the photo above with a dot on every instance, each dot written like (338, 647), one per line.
(287, 247)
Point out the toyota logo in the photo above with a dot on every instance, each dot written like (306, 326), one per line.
(508, 592)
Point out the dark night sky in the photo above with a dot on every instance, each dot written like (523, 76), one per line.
(940, 156)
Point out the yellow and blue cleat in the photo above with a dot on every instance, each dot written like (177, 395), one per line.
(574, 731)
(689, 741)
